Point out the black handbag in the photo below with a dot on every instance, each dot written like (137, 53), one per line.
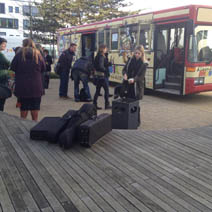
(5, 92)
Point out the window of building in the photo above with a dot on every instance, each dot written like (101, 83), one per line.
(2, 8)
(3, 33)
(16, 9)
(25, 24)
(35, 11)
(26, 35)
(27, 10)
(9, 23)
(10, 8)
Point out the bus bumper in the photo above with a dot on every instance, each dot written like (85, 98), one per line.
(191, 88)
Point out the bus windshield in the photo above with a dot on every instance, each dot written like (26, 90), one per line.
(200, 45)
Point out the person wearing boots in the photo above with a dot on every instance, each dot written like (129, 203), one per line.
(134, 73)
(101, 66)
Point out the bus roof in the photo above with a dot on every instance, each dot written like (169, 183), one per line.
(189, 11)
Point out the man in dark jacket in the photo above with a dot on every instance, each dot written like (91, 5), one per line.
(80, 72)
(65, 62)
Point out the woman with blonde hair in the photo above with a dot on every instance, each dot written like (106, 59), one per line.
(134, 72)
(28, 65)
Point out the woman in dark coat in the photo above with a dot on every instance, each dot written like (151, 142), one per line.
(101, 73)
(28, 65)
(134, 72)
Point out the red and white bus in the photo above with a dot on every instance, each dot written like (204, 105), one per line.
(177, 42)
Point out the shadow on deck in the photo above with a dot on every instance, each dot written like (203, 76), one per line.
(125, 171)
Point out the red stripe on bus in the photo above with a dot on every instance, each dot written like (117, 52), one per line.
(191, 88)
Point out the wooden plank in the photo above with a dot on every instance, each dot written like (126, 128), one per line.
(4, 198)
(56, 206)
(150, 155)
(95, 191)
(109, 154)
(27, 179)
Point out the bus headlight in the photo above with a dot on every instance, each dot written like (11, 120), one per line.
(199, 81)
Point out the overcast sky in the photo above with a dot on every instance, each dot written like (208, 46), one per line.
(154, 5)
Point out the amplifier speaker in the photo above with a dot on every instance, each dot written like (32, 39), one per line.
(125, 114)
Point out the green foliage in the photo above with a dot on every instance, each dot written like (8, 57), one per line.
(56, 13)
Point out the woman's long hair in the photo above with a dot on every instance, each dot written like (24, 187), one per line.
(101, 49)
(28, 44)
(140, 48)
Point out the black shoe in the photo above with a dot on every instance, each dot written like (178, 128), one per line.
(88, 100)
(100, 94)
(77, 100)
(110, 95)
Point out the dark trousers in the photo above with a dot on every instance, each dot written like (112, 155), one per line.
(77, 76)
(101, 83)
(46, 81)
(2, 102)
(64, 79)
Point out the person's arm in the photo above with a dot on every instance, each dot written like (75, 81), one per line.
(141, 73)
(125, 69)
(5, 63)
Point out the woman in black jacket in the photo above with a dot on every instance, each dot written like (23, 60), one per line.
(101, 73)
(134, 72)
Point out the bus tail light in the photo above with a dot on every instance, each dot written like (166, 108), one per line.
(190, 69)
(199, 81)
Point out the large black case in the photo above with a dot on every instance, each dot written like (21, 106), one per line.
(69, 136)
(92, 130)
(125, 114)
(49, 128)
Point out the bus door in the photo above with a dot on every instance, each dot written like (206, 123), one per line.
(88, 44)
(169, 58)
(145, 39)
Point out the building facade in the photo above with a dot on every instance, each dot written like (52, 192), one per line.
(15, 22)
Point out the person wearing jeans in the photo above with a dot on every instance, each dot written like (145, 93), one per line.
(77, 77)
(65, 61)
(80, 72)
(101, 66)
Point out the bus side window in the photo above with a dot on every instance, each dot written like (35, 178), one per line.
(100, 38)
(143, 38)
(114, 39)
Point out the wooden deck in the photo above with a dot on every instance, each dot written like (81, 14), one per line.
(125, 171)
